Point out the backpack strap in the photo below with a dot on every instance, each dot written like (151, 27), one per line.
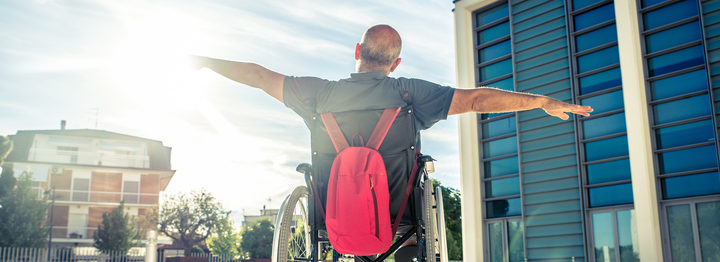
(336, 135)
(382, 127)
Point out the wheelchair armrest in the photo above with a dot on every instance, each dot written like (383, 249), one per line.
(304, 168)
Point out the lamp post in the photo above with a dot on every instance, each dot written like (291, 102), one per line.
(51, 193)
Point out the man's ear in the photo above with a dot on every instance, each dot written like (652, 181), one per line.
(395, 65)
(357, 51)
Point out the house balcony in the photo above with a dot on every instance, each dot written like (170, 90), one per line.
(103, 197)
(106, 159)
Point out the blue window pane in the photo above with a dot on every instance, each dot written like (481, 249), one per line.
(688, 159)
(492, 15)
(494, 51)
(610, 195)
(598, 59)
(680, 84)
(595, 38)
(605, 102)
(682, 243)
(579, 4)
(516, 246)
(492, 33)
(502, 187)
(501, 167)
(505, 84)
(606, 125)
(707, 216)
(606, 148)
(608, 171)
(692, 185)
(603, 239)
(626, 229)
(496, 70)
(500, 147)
(495, 237)
(675, 61)
(594, 17)
(682, 109)
(673, 37)
(499, 127)
(600, 81)
(646, 3)
(687, 134)
(503, 208)
(670, 13)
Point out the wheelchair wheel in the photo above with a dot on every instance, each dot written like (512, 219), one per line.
(434, 217)
(291, 239)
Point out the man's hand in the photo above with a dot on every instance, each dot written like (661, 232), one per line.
(559, 109)
(196, 62)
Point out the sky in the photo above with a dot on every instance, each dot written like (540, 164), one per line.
(119, 66)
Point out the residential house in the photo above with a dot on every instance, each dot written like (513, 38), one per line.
(90, 172)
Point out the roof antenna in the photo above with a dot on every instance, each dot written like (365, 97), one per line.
(97, 115)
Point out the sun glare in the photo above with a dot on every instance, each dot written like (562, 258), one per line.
(152, 59)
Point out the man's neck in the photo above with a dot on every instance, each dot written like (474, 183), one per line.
(365, 69)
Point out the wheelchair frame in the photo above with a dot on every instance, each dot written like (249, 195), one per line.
(418, 211)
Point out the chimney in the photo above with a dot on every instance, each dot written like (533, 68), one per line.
(62, 124)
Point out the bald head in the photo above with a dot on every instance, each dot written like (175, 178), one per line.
(380, 46)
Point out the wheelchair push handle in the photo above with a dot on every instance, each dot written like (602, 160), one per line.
(428, 163)
(303, 168)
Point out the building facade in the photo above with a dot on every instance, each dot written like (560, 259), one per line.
(636, 181)
(90, 172)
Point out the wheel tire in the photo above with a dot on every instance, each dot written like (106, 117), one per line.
(430, 219)
(293, 215)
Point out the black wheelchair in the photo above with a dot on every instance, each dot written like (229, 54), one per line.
(299, 235)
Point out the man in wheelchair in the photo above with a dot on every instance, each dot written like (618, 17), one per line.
(356, 104)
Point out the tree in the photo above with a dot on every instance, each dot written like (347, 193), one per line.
(453, 220)
(116, 233)
(257, 239)
(23, 216)
(7, 179)
(225, 241)
(190, 218)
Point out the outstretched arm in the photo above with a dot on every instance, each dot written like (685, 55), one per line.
(246, 73)
(492, 100)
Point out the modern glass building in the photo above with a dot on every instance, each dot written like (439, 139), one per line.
(636, 181)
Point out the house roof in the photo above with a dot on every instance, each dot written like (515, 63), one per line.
(23, 141)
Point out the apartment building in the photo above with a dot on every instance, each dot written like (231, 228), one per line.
(91, 172)
(636, 181)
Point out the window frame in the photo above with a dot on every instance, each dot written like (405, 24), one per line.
(505, 237)
(482, 160)
(665, 227)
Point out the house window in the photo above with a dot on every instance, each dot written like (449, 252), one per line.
(77, 225)
(131, 192)
(614, 236)
(80, 189)
(498, 138)
(70, 151)
(505, 240)
(692, 231)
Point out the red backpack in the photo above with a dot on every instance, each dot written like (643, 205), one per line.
(358, 199)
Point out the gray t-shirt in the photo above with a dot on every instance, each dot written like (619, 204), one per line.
(372, 90)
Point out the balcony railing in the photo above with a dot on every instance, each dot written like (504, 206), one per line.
(105, 197)
(89, 158)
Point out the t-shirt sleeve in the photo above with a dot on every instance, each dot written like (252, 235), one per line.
(299, 94)
(430, 101)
